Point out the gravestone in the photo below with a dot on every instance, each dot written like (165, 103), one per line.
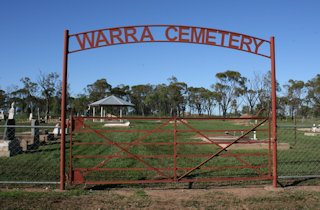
(9, 145)
(35, 135)
(1, 115)
(9, 133)
(56, 131)
(30, 116)
(12, 111)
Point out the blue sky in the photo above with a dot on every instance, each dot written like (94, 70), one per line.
(31, 40)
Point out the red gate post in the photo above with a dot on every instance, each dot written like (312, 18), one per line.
(274, 111)
(63, 109)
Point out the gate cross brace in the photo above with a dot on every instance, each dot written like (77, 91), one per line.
(222, 149)
(125, 149)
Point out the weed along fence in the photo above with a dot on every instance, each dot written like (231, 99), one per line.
(153, 150)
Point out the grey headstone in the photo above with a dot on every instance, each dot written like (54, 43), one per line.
(9, 133)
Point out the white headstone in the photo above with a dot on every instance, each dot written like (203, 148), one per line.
(1, 115)
(57, 129)
(12, 111)
(30, 116)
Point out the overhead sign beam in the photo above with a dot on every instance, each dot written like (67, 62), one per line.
(168, 33)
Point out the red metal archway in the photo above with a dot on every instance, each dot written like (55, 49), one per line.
(166, 33)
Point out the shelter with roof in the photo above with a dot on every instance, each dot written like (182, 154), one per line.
(110, 101)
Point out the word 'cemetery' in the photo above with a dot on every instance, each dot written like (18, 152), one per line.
(185, 34)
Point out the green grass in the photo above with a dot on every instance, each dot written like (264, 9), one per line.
(42, 164)
(167, 162)
(79, 199)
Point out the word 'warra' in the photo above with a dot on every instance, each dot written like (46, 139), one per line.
(185, 34)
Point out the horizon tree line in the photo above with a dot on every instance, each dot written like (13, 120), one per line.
(232, 95)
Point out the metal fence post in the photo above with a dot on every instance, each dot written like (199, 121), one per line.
(63, 109)
(274, 111)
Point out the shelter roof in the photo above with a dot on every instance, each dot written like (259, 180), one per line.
(111, 101)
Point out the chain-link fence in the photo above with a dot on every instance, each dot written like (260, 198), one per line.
(302, 160)
(29, 153)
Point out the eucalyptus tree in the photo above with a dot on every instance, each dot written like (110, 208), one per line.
(158, 100)
(295, 91)
(250, 93)
(197, 98)
(313, 86)
(98, 90)
(138, 96)
(265, 90)
(49, 84)
(121, 91)
(176, 96)
(210, 99)
(229, 87)
(26, 96)
(3, 99)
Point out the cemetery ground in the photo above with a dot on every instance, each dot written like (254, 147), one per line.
(42, 164)
(250, 197)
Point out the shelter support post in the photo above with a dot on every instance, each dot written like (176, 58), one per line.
(101, 114)
(274, 111)
(121, 115)
(93, 112)
(63, 109)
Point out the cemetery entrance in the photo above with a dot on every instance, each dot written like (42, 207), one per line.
(168, 149)
(160, 150)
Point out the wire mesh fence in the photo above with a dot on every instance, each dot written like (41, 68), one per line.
(29, 153)
(302, 159)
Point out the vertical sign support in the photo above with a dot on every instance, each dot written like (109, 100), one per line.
(63, 109)
(274, 112)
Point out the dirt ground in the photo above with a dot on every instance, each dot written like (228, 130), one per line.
(261, 197)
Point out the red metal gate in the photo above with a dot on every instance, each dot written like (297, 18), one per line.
(180, 162)
(171, 33)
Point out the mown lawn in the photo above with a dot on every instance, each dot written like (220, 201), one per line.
(42, 164)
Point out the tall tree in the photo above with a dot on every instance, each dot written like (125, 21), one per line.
(138, 98)
(229, 88)
(3, 99)
(98, 90)
(295, 91)
(49, 85)
(197, 98)
(158, 100)
(313, 86)
(176, 96)
(251, 90)
(210, 97)
(26, 96)
(265, 90)
(121, 91)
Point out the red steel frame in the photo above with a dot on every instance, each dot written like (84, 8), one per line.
(273, 83)
(78, 124)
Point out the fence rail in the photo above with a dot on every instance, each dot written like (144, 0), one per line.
(36, 150)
